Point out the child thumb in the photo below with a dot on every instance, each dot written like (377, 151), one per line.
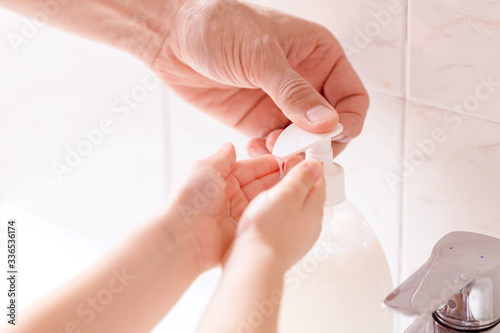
(299, 182)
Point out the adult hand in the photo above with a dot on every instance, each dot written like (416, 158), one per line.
(252, 68)
(257, 70)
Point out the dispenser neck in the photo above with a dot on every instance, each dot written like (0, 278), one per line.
(333, 172)
(294, 140)
(323, 153)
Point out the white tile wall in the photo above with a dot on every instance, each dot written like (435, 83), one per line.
(453, 50)
(452, 179)
(194, 135)
(372, 32)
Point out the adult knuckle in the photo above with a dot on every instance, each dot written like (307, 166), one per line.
(293, 90)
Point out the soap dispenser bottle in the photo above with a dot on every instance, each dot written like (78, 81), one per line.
(340, 284)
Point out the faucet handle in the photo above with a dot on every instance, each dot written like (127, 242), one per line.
(459, 285)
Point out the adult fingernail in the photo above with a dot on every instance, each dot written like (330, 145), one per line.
(339, 137)
(319, 113)
(315, 168)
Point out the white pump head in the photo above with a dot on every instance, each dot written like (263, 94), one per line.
(295, 140)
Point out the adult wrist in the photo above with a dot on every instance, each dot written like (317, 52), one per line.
(141, 27)
(163, 25)
(148, 24)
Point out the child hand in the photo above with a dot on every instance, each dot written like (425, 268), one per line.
(211, 196)
(286, 218)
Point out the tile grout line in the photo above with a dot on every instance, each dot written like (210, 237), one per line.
(373, 90)
(383, 93)
(402, 186)
(444, 108)
(402, 203)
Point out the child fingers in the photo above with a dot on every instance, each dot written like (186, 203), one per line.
(299, 181)
(255, 187)
(291, 163)
(223, 160)
(248, 170)
(317, 196)
(265, 179)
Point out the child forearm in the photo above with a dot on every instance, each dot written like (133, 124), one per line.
(249, 294)
(129, 290)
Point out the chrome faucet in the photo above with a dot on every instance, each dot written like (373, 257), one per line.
(456, 290)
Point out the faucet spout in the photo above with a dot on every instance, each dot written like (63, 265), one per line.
(472, 309)
(457, 289)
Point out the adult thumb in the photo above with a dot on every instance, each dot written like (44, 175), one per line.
(297, 98)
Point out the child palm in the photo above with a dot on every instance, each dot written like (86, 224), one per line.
(212, 195)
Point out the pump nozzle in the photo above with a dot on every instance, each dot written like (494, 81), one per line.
(294, 140)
